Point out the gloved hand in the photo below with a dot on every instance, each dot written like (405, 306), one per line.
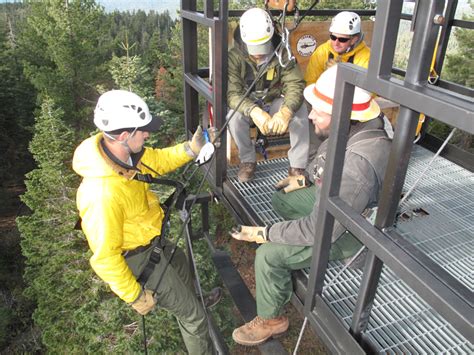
(291, 183)
(261, 119)
(206, 153)
(250, 234)
(280, 121)
(144, 303)
(197, 142)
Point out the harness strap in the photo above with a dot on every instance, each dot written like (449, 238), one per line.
(153, 260)
(250, 77)
(350, 60)
(177, 197)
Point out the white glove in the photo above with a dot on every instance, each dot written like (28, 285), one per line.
(205, 154)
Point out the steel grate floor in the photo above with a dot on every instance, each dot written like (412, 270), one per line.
(438, 220)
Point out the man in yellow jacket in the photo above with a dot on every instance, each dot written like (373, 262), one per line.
(345, 44)
(121, 216)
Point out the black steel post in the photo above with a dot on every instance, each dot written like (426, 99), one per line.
(384, 38)
(189, 38)
(424, 38)
(219, 60)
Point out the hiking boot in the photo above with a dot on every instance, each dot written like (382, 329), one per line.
(246, 171)
(296, 171)
(213, 297)
(258, 330)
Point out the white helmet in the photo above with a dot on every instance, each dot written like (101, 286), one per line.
(321, 96)
(120, 109)
(345, 23)
(256, 30)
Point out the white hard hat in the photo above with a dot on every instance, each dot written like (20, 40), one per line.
(345, 23)
(120, 109)
(256, 31)
(321, 96)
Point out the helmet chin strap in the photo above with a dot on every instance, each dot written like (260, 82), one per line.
(122, 143)
(361, 38)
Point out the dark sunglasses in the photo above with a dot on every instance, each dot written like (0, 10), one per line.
(340, 39)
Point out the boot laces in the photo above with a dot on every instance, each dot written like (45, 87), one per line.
(256, 322)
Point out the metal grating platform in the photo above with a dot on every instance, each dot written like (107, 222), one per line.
(441, 211)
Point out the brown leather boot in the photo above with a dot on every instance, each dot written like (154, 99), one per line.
(258, 330)
(246, 171)
(295, 171)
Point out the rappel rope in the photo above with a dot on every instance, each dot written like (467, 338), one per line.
(188, 216)
(405, 197)
(260, 74)
(145, 345)
(300, 336)
(330, 283)
(213, 141)
(185, 222)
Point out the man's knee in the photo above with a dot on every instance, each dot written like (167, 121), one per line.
(267, 257)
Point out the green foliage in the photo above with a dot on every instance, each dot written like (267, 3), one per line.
(129, 74)
(151, 32)
(17, 98)
(62, 49)
(459, 68)
(460, 65)
(48, 242)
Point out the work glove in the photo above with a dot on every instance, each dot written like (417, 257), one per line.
(280, 120)
(250, 234)
(291, 183)
(197, 142)
(144, 303)
(261, 119)
(206, 153)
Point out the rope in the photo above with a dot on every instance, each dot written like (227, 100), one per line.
(301, 335)
(426, 168)
(144, 336)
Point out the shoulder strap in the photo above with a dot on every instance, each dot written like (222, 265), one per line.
(365, 135)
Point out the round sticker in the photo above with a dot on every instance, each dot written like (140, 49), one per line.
(306, 45)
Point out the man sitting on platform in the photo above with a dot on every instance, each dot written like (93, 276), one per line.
(287, 246)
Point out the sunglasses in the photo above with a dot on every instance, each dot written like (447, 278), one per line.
(340, 39)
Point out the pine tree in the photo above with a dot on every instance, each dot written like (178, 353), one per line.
(17, 104)
(48, 241)
(63, 46)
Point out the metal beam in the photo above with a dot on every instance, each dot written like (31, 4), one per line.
(438, 288)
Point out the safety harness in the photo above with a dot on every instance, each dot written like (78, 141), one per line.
(176, 199)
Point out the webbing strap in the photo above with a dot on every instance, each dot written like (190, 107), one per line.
(154, 259)
(177, 198)
(350, 60)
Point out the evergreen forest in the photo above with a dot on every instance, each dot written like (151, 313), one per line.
(55, 61)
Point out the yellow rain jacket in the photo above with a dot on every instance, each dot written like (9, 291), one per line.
(318, 62)
(119, 213)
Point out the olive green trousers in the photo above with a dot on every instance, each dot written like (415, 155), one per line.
(176, 294)
(274, 262)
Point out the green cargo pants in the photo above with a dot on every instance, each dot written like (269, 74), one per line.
(274, 262)
(176, 294)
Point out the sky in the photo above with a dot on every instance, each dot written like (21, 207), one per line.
(158, 5)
